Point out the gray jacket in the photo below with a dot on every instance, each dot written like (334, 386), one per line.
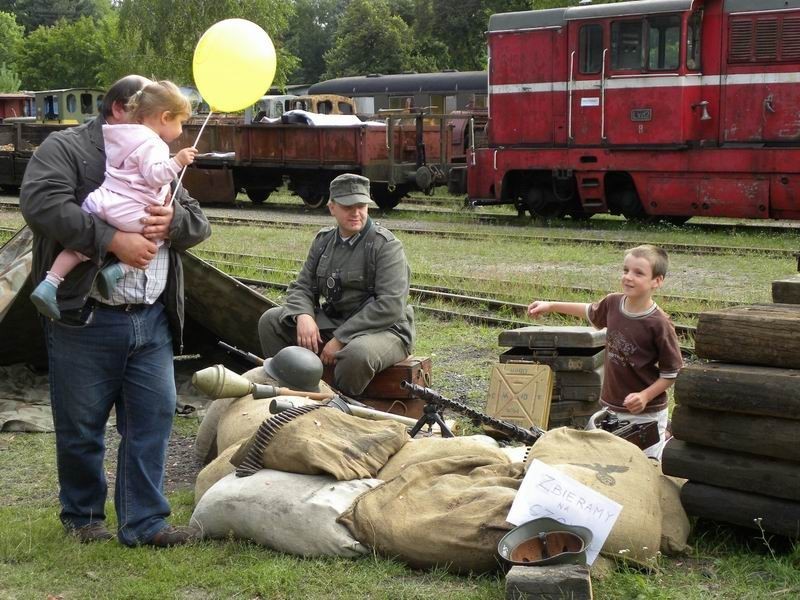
(62, 172)
(374, 278)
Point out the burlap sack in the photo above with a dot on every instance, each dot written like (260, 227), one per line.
(618, 470)
(244, 416)
(283, 511)
(675, 525)
(215, 470)
(330, 442)
(207, 444)
(435, 448)
(449, 512)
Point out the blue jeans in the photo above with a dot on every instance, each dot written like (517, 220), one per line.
(121, 360)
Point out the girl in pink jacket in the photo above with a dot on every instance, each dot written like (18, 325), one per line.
(138, 173)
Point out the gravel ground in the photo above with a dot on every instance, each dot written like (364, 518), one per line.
(182, 464)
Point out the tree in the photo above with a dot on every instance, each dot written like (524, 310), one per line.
(157, 38)
(369, 40)
(310, 33)
(9, 80)
(36, 13)
(67, 54)
(10, 39)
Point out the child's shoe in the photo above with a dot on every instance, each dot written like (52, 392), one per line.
(107, 279)
(44, 299)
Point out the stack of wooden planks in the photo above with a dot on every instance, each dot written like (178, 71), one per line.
(736, 424)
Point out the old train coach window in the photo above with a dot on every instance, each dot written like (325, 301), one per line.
(72, 104)
(87, 104)
(591, 48)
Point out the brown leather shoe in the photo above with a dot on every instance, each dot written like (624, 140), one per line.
(173, 536)
(93, 532)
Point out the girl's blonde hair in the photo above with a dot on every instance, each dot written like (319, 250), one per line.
(156, 98)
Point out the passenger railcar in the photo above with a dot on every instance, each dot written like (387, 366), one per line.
(650, 109)
(440, 93)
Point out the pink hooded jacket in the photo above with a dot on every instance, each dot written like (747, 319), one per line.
(138, 173)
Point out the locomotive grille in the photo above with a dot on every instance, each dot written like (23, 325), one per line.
(767, 39)
(790, 39)
(741, 41)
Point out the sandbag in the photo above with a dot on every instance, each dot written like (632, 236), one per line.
(328, 441)
(435, 448)
(675, 525)
(283, 511)
(449, 512)
(205, 443)
(618, 470)
(215, 470)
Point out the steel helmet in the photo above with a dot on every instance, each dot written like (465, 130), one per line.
(545, 542)
(295, 367)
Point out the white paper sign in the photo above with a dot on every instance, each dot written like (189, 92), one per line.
(547, 492)
(591, 101)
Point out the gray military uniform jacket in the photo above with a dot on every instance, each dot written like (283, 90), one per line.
(372, 289)
(64, 170)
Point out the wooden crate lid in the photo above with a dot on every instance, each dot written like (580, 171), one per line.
(520, 394)
(553, 338)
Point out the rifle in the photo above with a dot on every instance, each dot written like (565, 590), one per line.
(246, 356)
(436, 402)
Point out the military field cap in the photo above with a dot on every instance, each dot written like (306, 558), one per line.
(348, 189)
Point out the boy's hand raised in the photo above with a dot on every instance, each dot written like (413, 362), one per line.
(538, 308)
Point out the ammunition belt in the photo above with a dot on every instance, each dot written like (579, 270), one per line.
(264, 435)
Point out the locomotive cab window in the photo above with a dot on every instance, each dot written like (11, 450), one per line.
(591, 49)
(663, 43)
(694, 27)
(626, 45)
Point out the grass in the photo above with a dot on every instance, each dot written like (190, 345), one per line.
(726, 563)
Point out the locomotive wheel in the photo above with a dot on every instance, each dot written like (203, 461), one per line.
(258, 195)
(540, 202)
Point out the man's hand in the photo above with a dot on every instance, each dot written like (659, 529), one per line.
(133, 249)
(635, 403)
(156, 226)
(308, 335)
(328, 355)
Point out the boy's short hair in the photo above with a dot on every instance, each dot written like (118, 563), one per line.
(657, 257)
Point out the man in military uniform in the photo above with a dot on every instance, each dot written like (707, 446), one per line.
(349, 302)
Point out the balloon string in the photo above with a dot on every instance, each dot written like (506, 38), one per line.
(183, 172)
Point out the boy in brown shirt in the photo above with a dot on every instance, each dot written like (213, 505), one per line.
(643, 356)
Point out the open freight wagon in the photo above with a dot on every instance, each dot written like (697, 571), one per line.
(399, 154)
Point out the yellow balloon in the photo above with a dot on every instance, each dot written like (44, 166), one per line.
(234, 64)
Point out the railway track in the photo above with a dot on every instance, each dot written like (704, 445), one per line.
(695, 249)
(496, 308)
(474, 283)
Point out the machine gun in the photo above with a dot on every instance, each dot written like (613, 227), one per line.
(642, 435)
(436, 402)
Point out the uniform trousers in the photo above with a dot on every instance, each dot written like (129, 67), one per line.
(356, 364)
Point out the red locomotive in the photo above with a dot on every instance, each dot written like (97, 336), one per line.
(649, 109)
